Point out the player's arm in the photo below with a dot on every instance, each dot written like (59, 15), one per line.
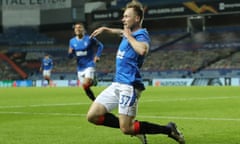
(51, 65)
(106, 29)
(41, 66)
(99, 50)
(70, 52)
(140, 47)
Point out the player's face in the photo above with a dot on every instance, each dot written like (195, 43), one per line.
(130, 19)
(79, 30)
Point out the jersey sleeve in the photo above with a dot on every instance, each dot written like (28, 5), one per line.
(51, 67)
(71, 55)
(100, 47)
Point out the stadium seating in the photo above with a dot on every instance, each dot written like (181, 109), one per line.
(212, 53)
(24, 36)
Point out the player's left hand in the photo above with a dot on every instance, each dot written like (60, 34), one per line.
(97, 32)
(96, 59)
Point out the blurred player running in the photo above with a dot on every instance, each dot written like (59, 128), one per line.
(46, 68)
(82, 47)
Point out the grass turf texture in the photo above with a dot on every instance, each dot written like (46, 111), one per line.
(206, 115)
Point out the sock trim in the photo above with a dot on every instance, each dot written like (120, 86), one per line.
(136, 127)
(100, 120)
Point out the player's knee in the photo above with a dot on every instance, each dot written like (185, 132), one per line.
(96, 114)
(47, 78)
(86, 85)
(92, 118)
(126, 130)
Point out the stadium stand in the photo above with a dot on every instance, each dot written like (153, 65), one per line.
(24, 36)
(181, 59)
(6, 71)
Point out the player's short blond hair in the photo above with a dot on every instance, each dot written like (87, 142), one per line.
(137, 7)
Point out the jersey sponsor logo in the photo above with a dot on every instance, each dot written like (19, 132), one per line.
(81, 53)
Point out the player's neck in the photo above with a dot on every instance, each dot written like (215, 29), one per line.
(135, 28)
(79, 36)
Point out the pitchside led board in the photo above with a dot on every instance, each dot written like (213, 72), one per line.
(197, 82)
(57, 83)
(16, 83)
(156, 82)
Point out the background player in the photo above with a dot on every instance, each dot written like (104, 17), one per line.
(82, 47)
(46, 68)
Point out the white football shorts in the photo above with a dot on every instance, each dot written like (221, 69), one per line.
(47, 73)
(123, 96)
(86, 73)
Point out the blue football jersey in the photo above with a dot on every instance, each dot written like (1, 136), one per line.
(128, 62)
(84, 50)
(47, 64)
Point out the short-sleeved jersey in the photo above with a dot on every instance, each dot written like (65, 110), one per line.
(47, 64)
(84, 51)
(128, 61)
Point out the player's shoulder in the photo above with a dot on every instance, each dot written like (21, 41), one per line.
(142, 34)
(88, 37)
(141, 31)
(73, 39)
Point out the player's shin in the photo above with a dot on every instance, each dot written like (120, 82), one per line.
(150, 128)
(108, 120)
(88, 91)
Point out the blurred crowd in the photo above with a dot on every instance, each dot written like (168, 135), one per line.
(214, 49)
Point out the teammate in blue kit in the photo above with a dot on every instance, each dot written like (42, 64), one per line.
(46, 68)
(82, 47)
(125, 91)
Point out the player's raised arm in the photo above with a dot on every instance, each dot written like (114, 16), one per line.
(106, 29)
(99, 50)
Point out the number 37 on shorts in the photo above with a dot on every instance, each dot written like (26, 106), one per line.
(126, 101)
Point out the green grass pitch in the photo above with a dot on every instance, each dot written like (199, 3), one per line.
(206, 115)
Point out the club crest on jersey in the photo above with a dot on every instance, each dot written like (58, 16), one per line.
(85, 44)
(120, 54)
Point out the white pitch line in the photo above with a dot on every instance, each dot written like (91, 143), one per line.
(46, 114)
(153, 100)
(192, 118)
(42, 105)
(189, 99)
(141, 116)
